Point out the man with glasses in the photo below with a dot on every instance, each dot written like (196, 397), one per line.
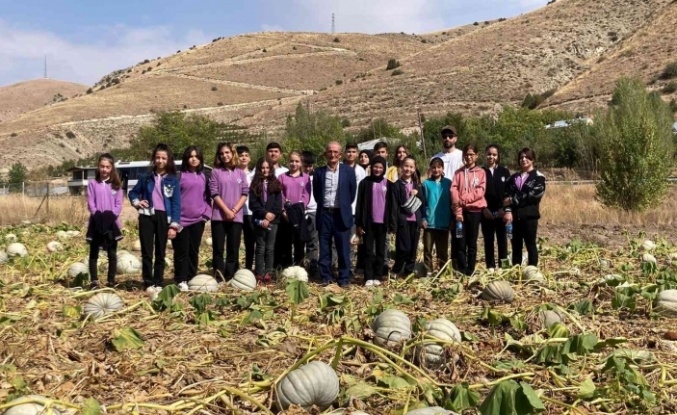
(452, 158)
(334, 188)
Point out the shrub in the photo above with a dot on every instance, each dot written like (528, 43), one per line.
(219, 104)
(337, 40)
(634, 137)
(293, 48)
(476, 24)
(673, 105)
(214, 88)
(392, 64)
(13, 135)
(89, 91)
(264, 50)
(670, 87)
(670, 71)
(145, 61)
(345, 122)
(70, 134)
(339, 82)
(397, 72)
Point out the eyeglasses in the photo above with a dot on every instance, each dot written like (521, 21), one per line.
(332, 152)
(448, 135)
(522, 157)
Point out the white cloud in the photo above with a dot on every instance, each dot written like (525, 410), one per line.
(22, 51)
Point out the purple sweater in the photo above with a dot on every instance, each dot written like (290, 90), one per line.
(230, 185)
(296, 189)
(101, 198)
(195, 206)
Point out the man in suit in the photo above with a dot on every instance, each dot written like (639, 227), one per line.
(334, 188)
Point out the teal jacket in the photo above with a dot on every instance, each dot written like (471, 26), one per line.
(436, 208)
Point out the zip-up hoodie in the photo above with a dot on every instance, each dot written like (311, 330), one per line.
(468, 187)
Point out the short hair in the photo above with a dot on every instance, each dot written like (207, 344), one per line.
(242, 149)
(436, 160)
(186, 156)
(273, 145)
(531, 154)
(380, 145)
(307, 157)
(333, 143)
(350, 146)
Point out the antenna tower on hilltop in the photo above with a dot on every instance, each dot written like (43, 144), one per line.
(333, 24)
(45, 66)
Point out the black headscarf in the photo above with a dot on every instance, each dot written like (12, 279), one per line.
(377, 160)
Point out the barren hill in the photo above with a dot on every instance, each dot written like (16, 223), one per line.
(26, 96)
(255, 80)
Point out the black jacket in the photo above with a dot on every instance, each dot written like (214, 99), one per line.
(364, 202)
(495, 191)
(525, 202)
(102, 226)
(296, 215)
(272, 205)
(397, 196)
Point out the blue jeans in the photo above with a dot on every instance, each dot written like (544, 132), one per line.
(331, 226)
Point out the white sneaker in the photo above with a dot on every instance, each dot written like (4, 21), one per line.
(183, 286)
(369, 283)
(153, 292)
(376, 283)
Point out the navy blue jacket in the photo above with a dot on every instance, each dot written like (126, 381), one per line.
(171, 193)
(347, 188)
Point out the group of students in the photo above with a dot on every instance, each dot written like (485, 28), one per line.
(288, 214)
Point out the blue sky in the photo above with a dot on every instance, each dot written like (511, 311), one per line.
(85, 40)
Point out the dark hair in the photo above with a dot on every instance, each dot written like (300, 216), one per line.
(171, 166)
(115, 181)
(414, 176)
(351, 146)
(217, 157)
(307, 157)
(186, 155)
(242, 149)
(274, 145)
(498, 151)
(469, 147)
(396, 161)
(531, 154)
(436, 160)
(274, 185)
(380, 145)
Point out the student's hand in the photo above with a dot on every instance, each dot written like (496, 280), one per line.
(459, 218)
(501, 213)
(506, 201)
(359, 231)
(265, 223)
(171, 233)
(270, 217)
(284, 216)
(424, 224)
(487, 213)
(142, 204)
(507, 218)
(230, 215)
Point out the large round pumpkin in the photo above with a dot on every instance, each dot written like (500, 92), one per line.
(29, 408)
(647, 257)
(10, 237)
(243, 280)
(137, 245)
(391, 327)
(17, 249)
(531, 273)
(63, 235)
(54, 246)
(296, 272)
(128, 264)
(432, 354)
(666, 303)
(203, 282)
(315, 383)
(550, 318)
(77, 268)
(3, 257)
(102, 304)
(498, 291)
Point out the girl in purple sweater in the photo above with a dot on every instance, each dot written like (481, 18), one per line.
(296, 196)
(195, 212)
(228, 189)
(104, 200)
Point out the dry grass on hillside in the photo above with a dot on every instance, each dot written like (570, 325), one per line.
(26, 96)
(69, 209)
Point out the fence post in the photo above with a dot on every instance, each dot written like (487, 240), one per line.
(47, 207)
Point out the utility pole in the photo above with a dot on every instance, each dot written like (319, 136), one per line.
(45, 66)
(420, 132)
(333, 24)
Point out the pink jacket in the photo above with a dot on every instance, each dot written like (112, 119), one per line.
(468, 188)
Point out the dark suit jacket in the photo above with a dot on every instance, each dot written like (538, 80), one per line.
(347, 187)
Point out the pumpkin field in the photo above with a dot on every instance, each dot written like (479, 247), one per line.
(592, 330)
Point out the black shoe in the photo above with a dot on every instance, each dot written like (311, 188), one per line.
(344, 286)
(110, 284)
(94, 285)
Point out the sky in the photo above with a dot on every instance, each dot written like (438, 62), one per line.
(84, 40)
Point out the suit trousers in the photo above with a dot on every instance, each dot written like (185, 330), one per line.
(332, 228)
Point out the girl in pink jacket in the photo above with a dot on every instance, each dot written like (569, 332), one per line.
(467, 195)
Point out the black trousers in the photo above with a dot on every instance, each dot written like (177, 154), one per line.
(406, 245)
(467, 246)
(94, 247)
(153, 234)
(283, 245)
(373, 242)
(225, 233)
(186, 251)
(454, 243)
(524, 231)
(313, 248)
(249, 241)
(491, 228)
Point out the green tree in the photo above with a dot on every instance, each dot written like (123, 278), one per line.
(16, 176)
(636, 148)
(311, 131)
